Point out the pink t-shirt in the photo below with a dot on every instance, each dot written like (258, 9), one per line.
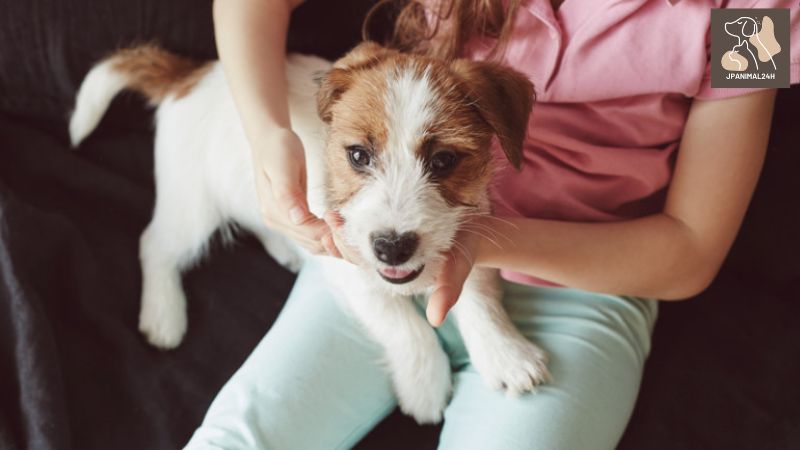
(614, 81)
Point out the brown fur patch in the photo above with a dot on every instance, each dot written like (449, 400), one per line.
(360, 59)
(460, 128)
(158, 73)
(359, 120)
(503, 97)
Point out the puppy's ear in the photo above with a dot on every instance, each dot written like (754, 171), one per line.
(503, 97)
(362, 57)
(331, 87)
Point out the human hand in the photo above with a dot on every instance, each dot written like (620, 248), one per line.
(457, 267)
(280, 166)
(333, 243)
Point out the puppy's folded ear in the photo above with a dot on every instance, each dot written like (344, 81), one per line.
(331, 87)
(333, 84)
(503, 97)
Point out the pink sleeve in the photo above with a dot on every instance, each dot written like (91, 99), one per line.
(706, 92)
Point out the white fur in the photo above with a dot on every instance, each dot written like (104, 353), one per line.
(205, 181)
(100, 86)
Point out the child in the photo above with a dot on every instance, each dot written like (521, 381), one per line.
(635, 179)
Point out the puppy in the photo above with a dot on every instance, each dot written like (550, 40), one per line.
(398, 144)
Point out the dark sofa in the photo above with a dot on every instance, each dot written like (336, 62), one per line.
(75, 374)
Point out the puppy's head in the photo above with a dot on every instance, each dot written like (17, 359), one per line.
(408, 153)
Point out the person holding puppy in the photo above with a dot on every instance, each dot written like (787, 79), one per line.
(635, 179)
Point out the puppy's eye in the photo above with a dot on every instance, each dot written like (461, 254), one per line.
(442, 163)
(358, 157)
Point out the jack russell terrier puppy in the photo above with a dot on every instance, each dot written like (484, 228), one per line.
(398, 144)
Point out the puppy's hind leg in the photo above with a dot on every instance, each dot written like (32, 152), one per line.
(174, 239)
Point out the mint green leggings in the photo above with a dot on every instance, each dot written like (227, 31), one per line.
(316, 382)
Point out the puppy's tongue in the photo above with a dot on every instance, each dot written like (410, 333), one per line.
(393, 272)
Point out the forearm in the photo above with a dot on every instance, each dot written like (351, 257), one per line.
(653, 256)
(671, 255)
(251, 40)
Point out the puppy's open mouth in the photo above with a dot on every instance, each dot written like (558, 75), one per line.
(400, 276)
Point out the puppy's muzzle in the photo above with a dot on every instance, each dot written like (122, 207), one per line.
(392, 248)
(395, 249)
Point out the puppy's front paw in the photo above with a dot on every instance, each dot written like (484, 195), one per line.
(163, 320)
(510, 363)
(423, 386)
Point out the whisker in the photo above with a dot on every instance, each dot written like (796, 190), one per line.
(485, 228)
(488, 238)
(489, 216)
(465, 222)
(495, 234)
(457, 245)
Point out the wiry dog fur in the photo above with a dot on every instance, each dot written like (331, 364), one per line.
(401, 110)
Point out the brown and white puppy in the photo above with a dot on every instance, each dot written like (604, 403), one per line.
(398, 144)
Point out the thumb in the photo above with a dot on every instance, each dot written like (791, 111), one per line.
(290, 193)
(448, 288)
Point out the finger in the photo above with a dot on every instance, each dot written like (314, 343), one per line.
(440, 303)
(312, 246)
(334, 220)
(289, 190)
(449, 286)
(330, 246)
(313, 229)
(312, 235)
(302, 237)
(292, 199)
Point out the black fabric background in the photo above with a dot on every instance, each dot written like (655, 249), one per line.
(75, 373)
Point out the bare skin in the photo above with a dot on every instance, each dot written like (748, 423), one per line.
(672, 255)
(251, 38)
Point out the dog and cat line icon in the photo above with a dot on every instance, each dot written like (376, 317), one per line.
(756, 43)
(750, 48)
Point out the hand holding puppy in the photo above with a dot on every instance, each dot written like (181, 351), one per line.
(450, 281)
(279, 163)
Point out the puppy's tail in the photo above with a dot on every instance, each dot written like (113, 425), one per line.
(147, 69)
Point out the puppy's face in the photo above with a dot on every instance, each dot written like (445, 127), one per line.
(408, 157)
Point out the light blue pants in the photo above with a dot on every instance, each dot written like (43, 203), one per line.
(315, 381)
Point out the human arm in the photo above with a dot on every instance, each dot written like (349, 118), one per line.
(251, 40)
(671, 255)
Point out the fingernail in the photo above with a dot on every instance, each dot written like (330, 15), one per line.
(433, 319)
(296, 215)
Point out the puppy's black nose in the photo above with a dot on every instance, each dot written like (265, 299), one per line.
(394, 249)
